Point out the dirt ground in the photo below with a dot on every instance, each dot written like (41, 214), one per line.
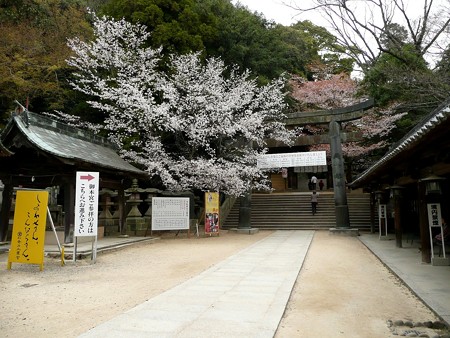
(341, 291)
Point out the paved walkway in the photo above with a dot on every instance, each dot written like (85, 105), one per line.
(263, 275)
(430, 283)
(242, 296)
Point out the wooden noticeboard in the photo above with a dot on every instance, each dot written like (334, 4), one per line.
(28, 233)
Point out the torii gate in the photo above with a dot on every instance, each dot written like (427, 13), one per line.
(333, 118)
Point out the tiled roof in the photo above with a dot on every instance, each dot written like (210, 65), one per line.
(4, 152)
(68, 142)
(410, 140)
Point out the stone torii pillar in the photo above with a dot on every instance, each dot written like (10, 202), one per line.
(339, 186)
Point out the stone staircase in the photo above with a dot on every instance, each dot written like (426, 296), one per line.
(293, 211)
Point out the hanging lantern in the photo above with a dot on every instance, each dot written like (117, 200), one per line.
(395, 191)
(379, 195)
(433, 184)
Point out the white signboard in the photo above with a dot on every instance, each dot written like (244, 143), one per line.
(288, 160)
(382, 219)
(434, 214)
(435, 221)
(170, 213)
(86, 204)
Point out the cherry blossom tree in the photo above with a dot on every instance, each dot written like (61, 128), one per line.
(197, 125)
(337, 91)
(332, 91)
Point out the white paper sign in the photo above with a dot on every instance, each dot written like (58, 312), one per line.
(170, 213)
(289, 160)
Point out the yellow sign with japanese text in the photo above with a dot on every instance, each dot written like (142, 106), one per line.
(28, 233)
(212, 212)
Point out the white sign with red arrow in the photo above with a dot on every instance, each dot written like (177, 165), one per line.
(86, 204)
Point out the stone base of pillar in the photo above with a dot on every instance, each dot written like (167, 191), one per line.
(440, 261)
(344, 231)
(249, 231)
(136, 226)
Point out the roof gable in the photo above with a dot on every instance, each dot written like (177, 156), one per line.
(435, 120)
(68, 143)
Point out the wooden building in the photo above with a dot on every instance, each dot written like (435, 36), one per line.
(37, 152)
(412, 174)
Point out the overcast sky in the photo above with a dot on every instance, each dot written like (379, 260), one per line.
(280, 13)
(272, 10)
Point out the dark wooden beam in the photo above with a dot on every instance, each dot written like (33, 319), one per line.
(345, 114)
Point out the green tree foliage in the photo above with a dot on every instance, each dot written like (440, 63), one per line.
(175, 25)
(321, 48)
(407, 78)
(233, 33)
(443, 70)
(390, 78)
(33, 51)
(401, 74)
(35, 32)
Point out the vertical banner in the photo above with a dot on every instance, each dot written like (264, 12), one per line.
(212, 212)
(28, 233)
(86, 204)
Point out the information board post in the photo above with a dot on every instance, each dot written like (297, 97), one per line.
(86, 209)
(61, 249)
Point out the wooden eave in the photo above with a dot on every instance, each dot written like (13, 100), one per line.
(425, 149)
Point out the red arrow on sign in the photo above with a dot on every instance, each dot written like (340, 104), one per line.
(88, 177)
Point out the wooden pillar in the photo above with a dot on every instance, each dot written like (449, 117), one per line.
(122, 211)
(5, 210)
(398, 221)
(423, 224)
(69, 210)
(373, 205)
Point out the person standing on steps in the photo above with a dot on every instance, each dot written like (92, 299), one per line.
(321, 185)
(314, 202)
(313, 182)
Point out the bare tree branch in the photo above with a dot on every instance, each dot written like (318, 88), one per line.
(360, 25)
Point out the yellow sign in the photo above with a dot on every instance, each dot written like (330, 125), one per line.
(28, 233)
(212, 212)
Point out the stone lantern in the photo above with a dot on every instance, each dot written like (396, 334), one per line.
(135, 222)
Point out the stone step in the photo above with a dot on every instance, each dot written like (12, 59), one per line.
(293, 211)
